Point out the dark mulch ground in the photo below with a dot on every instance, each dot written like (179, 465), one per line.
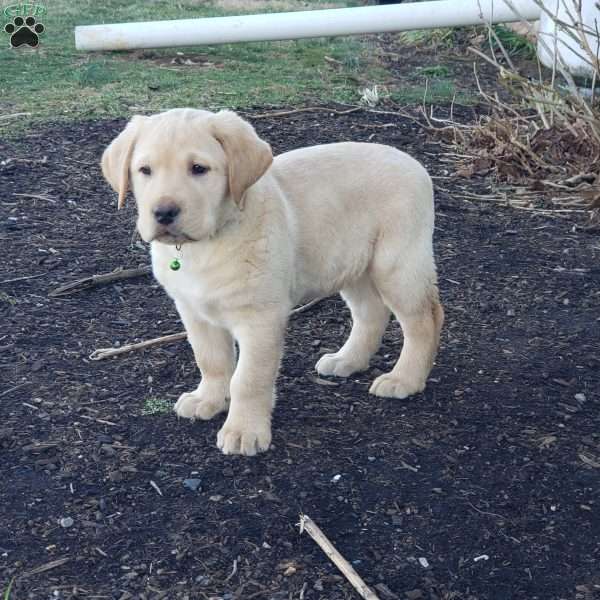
(492, 475)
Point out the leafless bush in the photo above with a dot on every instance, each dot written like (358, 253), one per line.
(542, 133)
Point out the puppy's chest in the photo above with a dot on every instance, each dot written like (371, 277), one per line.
(208, 288)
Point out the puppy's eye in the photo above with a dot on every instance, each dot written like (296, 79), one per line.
(198, 169)
(145, 170)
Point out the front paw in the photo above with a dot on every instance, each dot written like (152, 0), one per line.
(338, 365)
(196, 405)
(246, 439)
(389, 385)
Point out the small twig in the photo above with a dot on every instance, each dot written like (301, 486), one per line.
(15, 115)
(46, 567)
(306, 306)
(155, 486)
(233, 570)
(22, 278)
(14, 388)
(285, 113)
(102, 421)
(41, 161)
(95, 280)
(36, 196)
(485, 512)
(102, 353)
(308, 525)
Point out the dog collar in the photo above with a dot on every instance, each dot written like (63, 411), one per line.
(175, 264)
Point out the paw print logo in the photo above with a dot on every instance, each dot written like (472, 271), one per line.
(24, 31)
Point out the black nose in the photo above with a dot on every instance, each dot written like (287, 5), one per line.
(166, 214)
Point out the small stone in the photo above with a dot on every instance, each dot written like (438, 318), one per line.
(192, 484)
(580, 397)
(510, 312)
(414, 594)
(115, 476)
(216, 498)
(108, 450)
(66, 522)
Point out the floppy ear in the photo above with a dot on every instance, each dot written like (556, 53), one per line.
(248, 157)
(117, 158)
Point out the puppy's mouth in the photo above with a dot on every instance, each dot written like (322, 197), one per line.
(170, 238)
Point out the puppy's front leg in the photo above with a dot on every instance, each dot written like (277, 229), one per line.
(215, 356)
(247, 429)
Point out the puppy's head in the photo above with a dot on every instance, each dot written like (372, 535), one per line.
(188, 170)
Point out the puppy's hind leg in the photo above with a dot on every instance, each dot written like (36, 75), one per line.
(370, 317)
(413, 297)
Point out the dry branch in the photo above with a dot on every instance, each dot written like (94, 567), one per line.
(540, 135)
(285, 113)
(95, 280)
(102, 353)
(308, 525)
(45, 567)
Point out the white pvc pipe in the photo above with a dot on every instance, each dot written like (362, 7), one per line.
(302, 24)
(558, 24)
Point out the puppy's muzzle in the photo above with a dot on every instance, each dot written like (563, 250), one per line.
(165, 214)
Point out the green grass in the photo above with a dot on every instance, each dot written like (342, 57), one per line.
(435, 92)
(4, 297)
(442, 37)
(6, 595)
(514, 44)
(437, 71)
(157, 406)
(57, 82)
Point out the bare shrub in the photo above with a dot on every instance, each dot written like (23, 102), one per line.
(544, 133)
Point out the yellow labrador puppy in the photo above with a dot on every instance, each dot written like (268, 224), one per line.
(253, 236)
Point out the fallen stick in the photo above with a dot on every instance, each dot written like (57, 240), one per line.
(94, 280)
(306, 306)
(308, 525)
(36, 197)
(285, 113)
(45, 567)
(22, 278)
(102, 353)
(14, 116)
